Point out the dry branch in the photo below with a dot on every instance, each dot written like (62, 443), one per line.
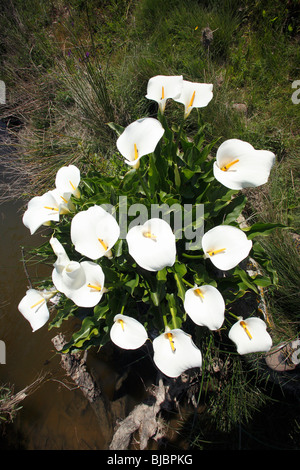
(75, 367)
(10, 402)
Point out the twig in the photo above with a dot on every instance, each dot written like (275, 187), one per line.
(25, 268)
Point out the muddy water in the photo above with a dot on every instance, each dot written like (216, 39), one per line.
(56, 415)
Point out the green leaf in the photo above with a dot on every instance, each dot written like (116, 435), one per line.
(180, 286)
(177, 177)
(100, 311)
(175, 311)
(262, 281)
(246, 279)
(262, 229)
(115, 127)
(118, 248)
(180, 269)
(153, 174)
(162, 275)
(129, 182)
(89, 328)
(158, 293)
(132, 284)
(63, 313)
(234, 209)
(264, 261)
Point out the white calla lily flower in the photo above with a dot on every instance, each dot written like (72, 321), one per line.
(238, 165)
(205, 306)
(94, 232)
(63, 201)
(194, 95)
(138, 139)
(41, 210)
(250, 336)
(152, 245)
(34, 307)
(127, 332)
(175, 352)
(226, 246)
(67, 180)
(83, 282)
(163, 87)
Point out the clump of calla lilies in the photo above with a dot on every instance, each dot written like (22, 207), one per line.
(143, 286)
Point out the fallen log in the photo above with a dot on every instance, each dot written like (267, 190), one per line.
(75, 367)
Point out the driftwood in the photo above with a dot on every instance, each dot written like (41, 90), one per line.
(144, 419)
(75, 367)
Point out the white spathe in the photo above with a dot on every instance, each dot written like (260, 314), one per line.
(48, 207)
(34, 309)
(226, 246)
(94, 232)
(67, 180)
(163, 87)
(152, 245)
(250, 336)
(138, 139)
(205, 306)
(194, 95)
(127, 332)
(238, 165)
(83, 282)
(41, 210)
(175, 352)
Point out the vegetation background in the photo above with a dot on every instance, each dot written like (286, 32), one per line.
(70, 67)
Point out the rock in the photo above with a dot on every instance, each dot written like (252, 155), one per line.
(207, 37)
(240, 108)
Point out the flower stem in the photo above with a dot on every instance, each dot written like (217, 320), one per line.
(173, 313)
(179, 132)
(192, 256)
(186, 282)
(143, 185)
(124, 304)
(233, 315)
